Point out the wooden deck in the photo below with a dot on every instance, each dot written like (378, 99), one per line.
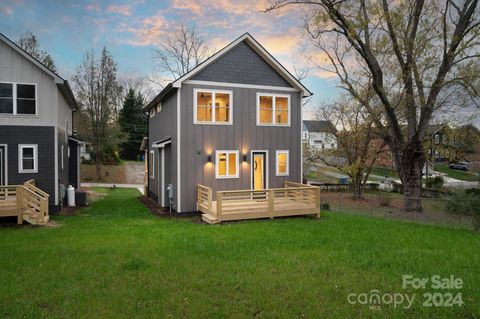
(294, 199)
(26, 202)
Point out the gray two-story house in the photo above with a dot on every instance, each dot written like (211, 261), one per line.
(233, 122)
(36, 111)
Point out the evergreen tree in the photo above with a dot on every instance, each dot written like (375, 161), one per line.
(133, 123)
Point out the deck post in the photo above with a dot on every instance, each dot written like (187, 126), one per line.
(19, 200)
(209, 199)
(219, 207)
(271, 202)
(317, 201)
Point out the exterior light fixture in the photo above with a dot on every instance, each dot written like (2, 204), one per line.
(209, 158)
(245, 157)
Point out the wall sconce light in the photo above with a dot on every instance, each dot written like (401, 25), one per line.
(209, 158)
(244, 157)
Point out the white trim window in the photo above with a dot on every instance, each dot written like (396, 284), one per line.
(227, 164)
(282, 162)
(28, 158)
(158, 108)
(151, 162)
(152, 112)
(212, 106)
(18, 98)
(273, 109)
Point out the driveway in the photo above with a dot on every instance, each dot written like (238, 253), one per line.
(134, 172)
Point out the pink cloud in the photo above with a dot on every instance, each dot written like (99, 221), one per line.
(6, 11)
(149, 32)
(123, 10)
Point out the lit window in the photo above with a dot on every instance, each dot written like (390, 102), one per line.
(151, 163)
(212, 106)
(282, 163)
(18, 99)
(273, 109)
(27, 158)
(226, 164)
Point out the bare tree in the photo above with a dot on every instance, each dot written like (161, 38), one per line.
(28, 42)
(419, 56)
(97, 91)
(358, 145)
(181, 52)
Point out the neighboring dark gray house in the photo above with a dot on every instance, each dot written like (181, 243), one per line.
(36, 110)
(233, 122)
(319, 134)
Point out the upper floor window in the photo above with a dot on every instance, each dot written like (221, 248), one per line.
(212, 107)
(18, 99)
(158, 107)
(152, 112)
(273, 109)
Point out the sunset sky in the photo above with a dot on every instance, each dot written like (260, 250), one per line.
(131, 30)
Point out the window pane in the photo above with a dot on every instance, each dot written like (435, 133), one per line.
(25, 91)
(27, 152)
(282, 162)
(6, 106)
(222, 164)
(6, 90)
(204, 107)
(232, 164)
(281, 113)
(27, 163)
(25, 106)
(222, 104)
(266, 109)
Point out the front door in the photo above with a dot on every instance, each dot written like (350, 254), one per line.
(259, 170)
(3, 166)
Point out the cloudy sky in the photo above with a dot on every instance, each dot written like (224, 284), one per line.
(132, 29)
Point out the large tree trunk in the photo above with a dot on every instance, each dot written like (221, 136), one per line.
(410, 169)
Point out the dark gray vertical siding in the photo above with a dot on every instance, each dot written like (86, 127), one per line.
(244, 135)
(43, 136)
(162, 125)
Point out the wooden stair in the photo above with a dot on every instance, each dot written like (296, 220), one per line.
(26, 202)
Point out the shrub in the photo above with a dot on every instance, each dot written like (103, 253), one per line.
(473, 191)
(434, 182)
(466, 203)
(325, 206)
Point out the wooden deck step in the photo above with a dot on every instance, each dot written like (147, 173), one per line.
(209, 219)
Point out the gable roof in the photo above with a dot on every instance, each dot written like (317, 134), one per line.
(260, 50)
(319, 126)
(62, 85)
(257, 47)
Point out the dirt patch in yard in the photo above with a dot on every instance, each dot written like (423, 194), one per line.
(114, 174)
(165, 212)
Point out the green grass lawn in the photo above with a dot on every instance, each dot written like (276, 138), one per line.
(116, 260)
(455, 173)
(383, 171)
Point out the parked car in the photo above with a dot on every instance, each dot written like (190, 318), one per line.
(463, 166)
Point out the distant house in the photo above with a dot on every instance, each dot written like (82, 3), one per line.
(36, 134)
(319, 134)
(231, 123)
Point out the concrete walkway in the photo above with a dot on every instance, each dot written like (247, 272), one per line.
(106, 185)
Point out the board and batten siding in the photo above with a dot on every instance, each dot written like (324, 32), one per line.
(161, 126)
(200, 140)
(16, 68)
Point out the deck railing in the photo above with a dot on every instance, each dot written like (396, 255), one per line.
(294, 199)
(24, 201)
